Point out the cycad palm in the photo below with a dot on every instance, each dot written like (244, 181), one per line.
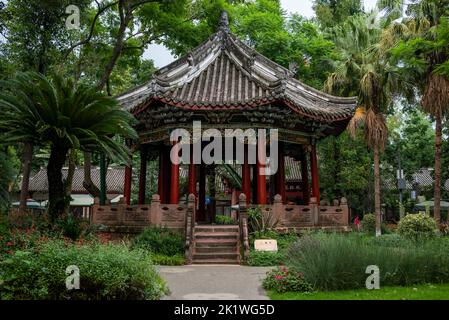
(65, 116)
(364, 73)
(420, 45)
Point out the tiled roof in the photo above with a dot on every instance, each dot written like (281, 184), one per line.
(223, 73)
(422, 178)
(114, 180)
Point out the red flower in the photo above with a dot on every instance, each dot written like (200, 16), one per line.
(9, 243)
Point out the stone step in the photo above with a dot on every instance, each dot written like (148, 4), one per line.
(216, 249)
(208, 243)
(216, 229)
(212, 256)
(216, 235)
(216, 261)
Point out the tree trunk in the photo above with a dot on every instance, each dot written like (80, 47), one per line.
(69, 179)
(437, 187)
(56, 192)
(87, 183)
(377, 207)
(26, 168)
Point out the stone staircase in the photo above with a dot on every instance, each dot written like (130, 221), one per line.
(213, 244)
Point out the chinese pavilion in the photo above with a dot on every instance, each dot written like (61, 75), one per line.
(224, 83)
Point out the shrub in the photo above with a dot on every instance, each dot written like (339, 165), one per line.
(417, 227)
(368, 223)
(265, 258)
(259, 221)
(160, 241)
(106, 272)
(339, 262)
(224, 220)
(71, 227)
(282, 280)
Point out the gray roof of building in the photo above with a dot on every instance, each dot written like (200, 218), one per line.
(114, 180)
(224, 73)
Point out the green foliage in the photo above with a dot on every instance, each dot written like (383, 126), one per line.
(282, 280)
(71, 227)
(347, 171)
(160, 241)
(225, 220)
(8, 171)
(368, 223)
(265, 258)
(261, 258)
(294, 40)
(106, 272)
(260, 220)
(330, 13)
(337, 262)
(163, 260)
(57, 113)
(417, 227)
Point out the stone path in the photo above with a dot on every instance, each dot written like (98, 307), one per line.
(214, 282)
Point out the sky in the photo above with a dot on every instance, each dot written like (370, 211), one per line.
(162, 56)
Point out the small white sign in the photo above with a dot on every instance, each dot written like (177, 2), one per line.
(266, 245)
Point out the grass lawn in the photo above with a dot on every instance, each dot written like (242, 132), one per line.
(419, 292)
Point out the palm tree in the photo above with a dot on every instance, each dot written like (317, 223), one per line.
(65, 116)
(364, 73)
(420, 45)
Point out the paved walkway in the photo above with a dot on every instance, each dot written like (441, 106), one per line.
(214, 282)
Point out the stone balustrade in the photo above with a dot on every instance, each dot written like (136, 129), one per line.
(313, 215)
(122, 218)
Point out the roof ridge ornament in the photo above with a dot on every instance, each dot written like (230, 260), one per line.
(224, 21)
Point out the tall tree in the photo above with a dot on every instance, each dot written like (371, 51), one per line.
(421, 49)
(364, 73)
(331, 13)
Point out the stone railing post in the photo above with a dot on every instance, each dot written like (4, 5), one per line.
(344, 206)
(278, 208)
(189, 225)
(120, 214)
(315, 210)
(243, 225)
(94, 215)
(155, 211)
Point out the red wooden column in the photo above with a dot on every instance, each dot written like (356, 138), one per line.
(305, 177)
(246, 176)
(142, 174)
(202, 194)
(261, 178)
(192, 174)
(314, 169)
(127, 186)
(174, 178)
(161, 176)
(280, 174)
